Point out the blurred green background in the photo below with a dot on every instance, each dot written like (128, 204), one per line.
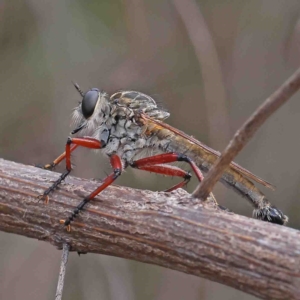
(210, 62)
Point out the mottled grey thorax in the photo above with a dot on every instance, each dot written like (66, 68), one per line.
(127, 138)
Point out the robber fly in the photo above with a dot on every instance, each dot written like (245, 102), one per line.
(127, 126)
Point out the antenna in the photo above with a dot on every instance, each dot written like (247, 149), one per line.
(78, 89)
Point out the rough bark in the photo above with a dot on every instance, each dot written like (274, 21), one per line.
(172, 230)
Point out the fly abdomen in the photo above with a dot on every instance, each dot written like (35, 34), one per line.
(233, 177)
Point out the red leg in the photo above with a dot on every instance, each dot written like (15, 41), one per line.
(59, 159)
(71, 145)
(152, 164)
(177, 186)
(72, 148)
(86, 142)
(117, 170)
(169, 171)
(166, 158)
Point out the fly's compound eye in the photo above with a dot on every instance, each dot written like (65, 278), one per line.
(89, 102)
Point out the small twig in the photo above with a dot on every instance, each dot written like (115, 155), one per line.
(62, 272)
(245, 133)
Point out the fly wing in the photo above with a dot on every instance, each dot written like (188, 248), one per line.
(250, 175)
(211, 151)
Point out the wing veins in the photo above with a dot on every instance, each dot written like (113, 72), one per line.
(233, 165)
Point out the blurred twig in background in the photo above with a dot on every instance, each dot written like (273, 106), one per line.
(214, 90)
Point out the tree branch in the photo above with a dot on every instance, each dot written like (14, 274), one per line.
(172, 230)
(245, 133)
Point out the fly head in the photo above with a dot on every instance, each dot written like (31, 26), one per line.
(92, 112)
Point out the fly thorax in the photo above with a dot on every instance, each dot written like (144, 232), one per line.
(139, 102)
(125, 134)
(161, 145)
(127, 137)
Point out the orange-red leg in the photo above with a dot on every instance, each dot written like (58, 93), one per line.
(59, 159)
(153, 164)
(169, 171)
(75, 143)
(71, 145)
(117, 170)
